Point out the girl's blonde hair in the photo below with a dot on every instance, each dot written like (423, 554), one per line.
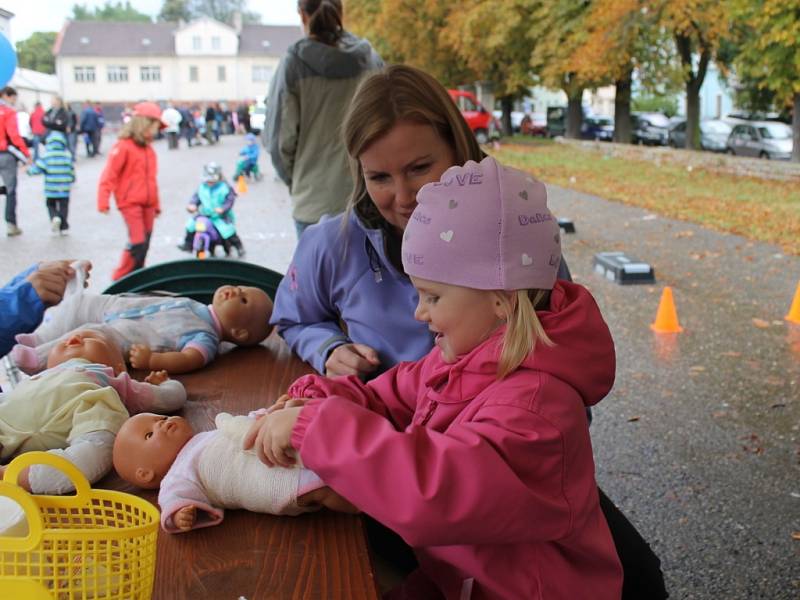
(392, 95)
(136, 129)
(523, 328)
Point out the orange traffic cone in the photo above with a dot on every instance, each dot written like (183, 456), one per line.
(241, 185)
(667, 315)
(794, 310)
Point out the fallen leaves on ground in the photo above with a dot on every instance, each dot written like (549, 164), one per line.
(760, 323)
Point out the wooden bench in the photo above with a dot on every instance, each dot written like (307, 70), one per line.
(322, 555)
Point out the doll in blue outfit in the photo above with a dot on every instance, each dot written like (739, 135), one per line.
(214, 199)
(177, 335)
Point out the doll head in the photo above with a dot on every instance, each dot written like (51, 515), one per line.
(483, 249)
(89, 344)
(244, 313)
(147, 445)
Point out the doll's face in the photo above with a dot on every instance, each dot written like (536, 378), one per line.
(146, 447)
(90, 345)
(243, 312)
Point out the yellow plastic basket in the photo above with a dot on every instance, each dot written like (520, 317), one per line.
(95, 544)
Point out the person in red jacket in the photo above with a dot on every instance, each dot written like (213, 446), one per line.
(37, 128)
(130, 174)
(12, 149)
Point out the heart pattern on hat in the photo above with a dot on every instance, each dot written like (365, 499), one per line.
(446, 235)
(524, 195)
(526, 260)
(453, 203)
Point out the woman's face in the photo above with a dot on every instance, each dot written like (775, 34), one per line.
(398, 164)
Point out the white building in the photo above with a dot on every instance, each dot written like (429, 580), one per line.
(5, 22)
(200, 61)
(33, 87)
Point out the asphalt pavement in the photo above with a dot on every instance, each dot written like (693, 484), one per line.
(699, 442)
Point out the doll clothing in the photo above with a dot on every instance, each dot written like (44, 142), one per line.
(75, 409)
(162, 324)
(212, 472)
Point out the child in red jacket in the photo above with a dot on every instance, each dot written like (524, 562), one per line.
(478, 454)
(130, 174)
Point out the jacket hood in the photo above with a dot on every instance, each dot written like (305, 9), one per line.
(56, 138)
(582, 355)
(349, 58)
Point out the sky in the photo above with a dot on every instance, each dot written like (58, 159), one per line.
(31, 15)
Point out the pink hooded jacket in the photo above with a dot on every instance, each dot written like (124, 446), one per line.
(492, 482)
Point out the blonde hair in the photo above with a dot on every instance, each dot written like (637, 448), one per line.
(392, 95)
(136, 129)
(523, 328)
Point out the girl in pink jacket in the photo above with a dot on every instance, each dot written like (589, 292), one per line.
(479, 454)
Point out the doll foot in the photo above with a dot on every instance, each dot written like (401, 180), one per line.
(26, 359)
(27, 339)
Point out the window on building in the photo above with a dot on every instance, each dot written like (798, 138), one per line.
(221, 73)
(262, 73)
(215, 43)
(193, 73)
(150, 73)
(197, 42)
(84, 74)
(117, 73)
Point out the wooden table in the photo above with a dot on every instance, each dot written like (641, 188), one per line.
(322, 555)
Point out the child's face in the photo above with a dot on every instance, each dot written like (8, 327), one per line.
(243, 312)
(146, 447)
(460, 317)
(90, 345)
(398, 164)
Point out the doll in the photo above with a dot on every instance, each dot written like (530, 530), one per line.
(174, 334)
(76, 407)
(201, 474)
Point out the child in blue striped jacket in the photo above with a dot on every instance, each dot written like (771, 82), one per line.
(59, 174)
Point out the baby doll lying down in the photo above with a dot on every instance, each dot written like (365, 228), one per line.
(201, 474)
(174, 334)
(75, 409)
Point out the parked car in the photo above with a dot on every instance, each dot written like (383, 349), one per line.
(516, 118)
(257, 118)
(651, 129)
(713, 135)
(534, 124)
(597, 128)
(480, 121)
(764, 139)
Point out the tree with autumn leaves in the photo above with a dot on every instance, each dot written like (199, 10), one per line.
(582, 44)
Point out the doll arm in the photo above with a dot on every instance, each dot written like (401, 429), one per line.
(188, 359)
(181, 489)
(144, 396)
(91, 453)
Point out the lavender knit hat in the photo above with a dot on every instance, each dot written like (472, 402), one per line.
(483, 226)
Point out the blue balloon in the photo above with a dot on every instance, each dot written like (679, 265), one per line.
(8, 61)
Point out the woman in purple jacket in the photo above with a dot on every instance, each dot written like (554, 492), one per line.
(345, 305)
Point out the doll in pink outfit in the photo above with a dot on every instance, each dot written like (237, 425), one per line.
(479, 454)
(201, 474)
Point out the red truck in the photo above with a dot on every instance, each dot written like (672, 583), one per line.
(480, 121)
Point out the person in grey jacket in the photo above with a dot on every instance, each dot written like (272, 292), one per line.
(308, 99)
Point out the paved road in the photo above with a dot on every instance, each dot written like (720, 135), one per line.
(699, 442)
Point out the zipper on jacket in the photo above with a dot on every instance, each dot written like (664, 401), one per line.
(429, 414)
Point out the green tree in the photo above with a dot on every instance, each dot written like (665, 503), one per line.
(36, 52)
(110, 11)
(223, 10)
(175, 10)
(768, 57)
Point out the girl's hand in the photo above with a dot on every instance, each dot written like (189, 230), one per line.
(184, 519)
(352, 359)
(270, 437)
(286, 401)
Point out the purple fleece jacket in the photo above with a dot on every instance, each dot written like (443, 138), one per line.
(344, 276)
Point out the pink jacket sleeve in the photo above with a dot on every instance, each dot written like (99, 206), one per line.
(443, 488)
(391, 395)
(184, 489)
